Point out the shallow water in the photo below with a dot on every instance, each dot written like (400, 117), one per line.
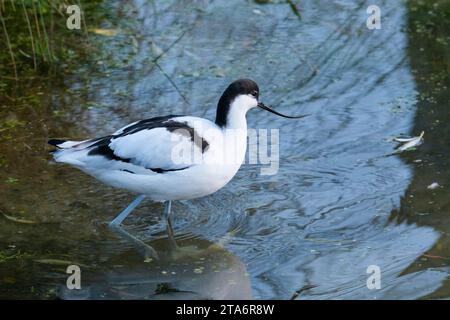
(338, 204)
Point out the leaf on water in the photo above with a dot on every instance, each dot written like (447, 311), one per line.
(11, 180)
(408, 139)
(403, 139)
(58, 262)
(157, 52)
(9, 280)
(433, 186)
(410, 143)
(135, 44)
(18, 220)
(54, 262)
(198, 270)
(105, 32)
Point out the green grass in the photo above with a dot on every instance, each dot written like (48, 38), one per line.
(34, 37)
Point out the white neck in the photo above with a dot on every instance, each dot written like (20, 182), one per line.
(236, 120)
(238, 109)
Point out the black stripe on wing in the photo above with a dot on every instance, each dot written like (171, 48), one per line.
(155, 122)
(157, 170)
(182, 128)
(170, 125)
(102, 147)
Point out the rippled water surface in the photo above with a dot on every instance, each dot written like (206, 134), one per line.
(338, 204)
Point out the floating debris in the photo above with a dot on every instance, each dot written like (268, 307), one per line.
(105, 32)
(301, 290)
(58, 262)
(18, 220)
(433, 186)
(157, 52)
(409, 143)
(18, 255)
(11, 180)
(198, 270)
(135, 44)
(294, 9)
(54, 262)
(9, 280)
(432, 256)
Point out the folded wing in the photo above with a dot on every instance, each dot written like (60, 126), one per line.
(152, 146)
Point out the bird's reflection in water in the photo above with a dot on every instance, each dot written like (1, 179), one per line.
(198, 269)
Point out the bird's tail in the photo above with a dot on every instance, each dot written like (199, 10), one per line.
(63, 144)
(67, 151)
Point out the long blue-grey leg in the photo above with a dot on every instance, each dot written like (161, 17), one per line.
(115, 225)
(167, 216)
(118, 220)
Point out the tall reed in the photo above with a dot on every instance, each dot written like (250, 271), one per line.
(34, 35)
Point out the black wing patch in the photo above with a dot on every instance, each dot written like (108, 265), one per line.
(156, 122)
(182, 128)
(102, 148)
(170, 125)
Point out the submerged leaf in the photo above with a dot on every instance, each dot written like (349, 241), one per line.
(18, 220)
(58, 262)
(11, 180)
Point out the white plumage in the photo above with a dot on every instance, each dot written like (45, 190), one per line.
(149, 167)
(171, 157)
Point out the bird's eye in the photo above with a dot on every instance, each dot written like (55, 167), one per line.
(254, 93)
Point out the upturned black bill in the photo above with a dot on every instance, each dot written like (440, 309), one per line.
(263, 106)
